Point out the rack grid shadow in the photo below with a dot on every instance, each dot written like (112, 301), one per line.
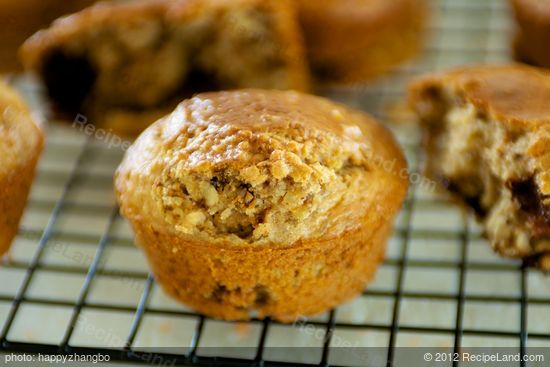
(75, 282)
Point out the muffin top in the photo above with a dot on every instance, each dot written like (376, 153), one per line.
(20, 137)
(257, 167)
(516, 95)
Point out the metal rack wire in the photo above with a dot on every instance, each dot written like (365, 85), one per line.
(72, 234)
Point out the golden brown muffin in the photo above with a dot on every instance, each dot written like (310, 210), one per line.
(354, 40)
(531, 44)
(21, 18)
(20, 146)
(488, 141)
(262, 202)
(111, 62)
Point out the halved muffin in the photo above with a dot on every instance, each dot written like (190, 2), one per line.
(262, 202)
(124, 65)
(21, 143)
(488, 142)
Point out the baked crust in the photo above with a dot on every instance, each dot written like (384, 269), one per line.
(262, 201)
(516, 95)
(113, 61)
(355, 40)
(531, 41)
(21, 144)
(488, 140)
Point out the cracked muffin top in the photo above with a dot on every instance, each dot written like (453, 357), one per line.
(20, 137)
(259, 167)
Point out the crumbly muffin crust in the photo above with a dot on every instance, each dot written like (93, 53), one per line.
(115, 58)
(234, 177)
(20, 147)
(488, 131)
(355, 40)
(229, 178)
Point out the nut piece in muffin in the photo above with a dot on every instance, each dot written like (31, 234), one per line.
(531, 44)
(21, 143)
(124, 65)
(355, 40)
(488, 142)
(258, 202)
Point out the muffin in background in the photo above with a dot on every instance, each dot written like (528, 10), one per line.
(350, 41)
(264, 203)
(531, 43)
(19, 19)
(124, 65)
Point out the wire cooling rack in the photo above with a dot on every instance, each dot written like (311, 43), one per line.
(76, 283)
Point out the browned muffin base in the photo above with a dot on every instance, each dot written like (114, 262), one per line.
(13, 198)
(530, 53)
(239, 283)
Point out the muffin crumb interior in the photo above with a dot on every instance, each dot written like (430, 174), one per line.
(156, 60)
(488, 166)
(248, 185)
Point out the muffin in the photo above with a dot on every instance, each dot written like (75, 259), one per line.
(487, 134)
(124, 65)
(355, 40)
(533, 33)
(20, 146)
(264, 203)
(20, 19)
